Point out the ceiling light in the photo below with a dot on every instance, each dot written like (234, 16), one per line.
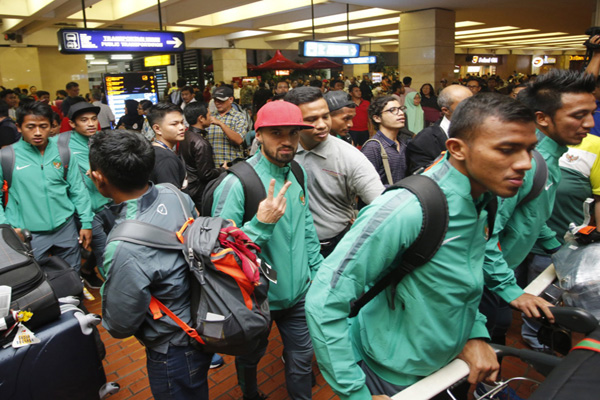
(90, 57)
(285, 36)
(99, 62)
(384, 33)
(464, 24)
(507, 39)
(332, 19)
(245, 34)
(359, 25)
(552, 40)
(249, 11)
(497, 33)
(121, 57)
(484, 30)
(181, 28)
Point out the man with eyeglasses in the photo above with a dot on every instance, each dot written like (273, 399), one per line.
(387, 116)
(227, 129)
(474, 85)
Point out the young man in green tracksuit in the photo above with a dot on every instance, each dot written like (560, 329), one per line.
(40, 199)
(433, 315)
(564, 105)
(288, 240)
(83, 118)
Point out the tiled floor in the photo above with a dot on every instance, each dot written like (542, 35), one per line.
(125, 363)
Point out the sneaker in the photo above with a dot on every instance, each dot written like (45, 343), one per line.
(217, 361)
(507, 393)
(91, 279)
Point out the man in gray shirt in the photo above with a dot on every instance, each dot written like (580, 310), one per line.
(337, 171)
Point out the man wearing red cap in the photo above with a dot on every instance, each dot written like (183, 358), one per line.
(283, 227)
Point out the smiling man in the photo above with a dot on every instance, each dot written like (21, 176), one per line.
(564, 105)
(288, 241)
(412, 329)
(41, 197)
(339, 172)
(166, 119)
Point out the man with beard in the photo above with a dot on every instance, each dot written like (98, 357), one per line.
(283, 227)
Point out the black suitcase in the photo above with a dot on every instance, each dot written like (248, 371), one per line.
(30, 288)
(64, 365)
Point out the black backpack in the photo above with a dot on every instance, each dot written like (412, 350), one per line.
(435, 224)
(254, 190)
(7, 162)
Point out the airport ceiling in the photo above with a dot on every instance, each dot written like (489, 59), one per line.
(520, 26)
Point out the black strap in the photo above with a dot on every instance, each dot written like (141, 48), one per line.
(145, 234)
(433, 230)
(254, 190)
(298, 173)
(64, 152)
(7, 162)
(539, 179)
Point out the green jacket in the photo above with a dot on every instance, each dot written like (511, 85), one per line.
(80, 150)
(39, 199)
(517, 229)
(291, 245)
(435, 307)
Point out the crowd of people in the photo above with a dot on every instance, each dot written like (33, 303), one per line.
(354, 140)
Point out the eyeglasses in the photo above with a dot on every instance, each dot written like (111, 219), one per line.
(395, 110)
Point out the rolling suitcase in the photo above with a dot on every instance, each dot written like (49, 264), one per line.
(64, 365)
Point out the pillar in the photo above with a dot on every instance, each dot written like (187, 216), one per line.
(426, 46)
(228, 63)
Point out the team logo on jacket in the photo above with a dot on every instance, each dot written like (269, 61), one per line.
(56, 164)
(162, 209)
(571, 157)
(302, 200)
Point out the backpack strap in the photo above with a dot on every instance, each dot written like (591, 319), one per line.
(180, 197)
(254, 190)
(142, 233)
(539, 179)
(7, 162)
(433, 230)
(384, 158)
(64, 151)
(298, 173)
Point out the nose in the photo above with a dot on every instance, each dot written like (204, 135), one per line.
(588, 121)
(523, 162)
(320, 125)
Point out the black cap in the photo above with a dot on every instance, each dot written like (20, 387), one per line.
(338, 99)
(223, 93)
(82, 107)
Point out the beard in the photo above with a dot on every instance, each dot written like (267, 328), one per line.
(275, 155)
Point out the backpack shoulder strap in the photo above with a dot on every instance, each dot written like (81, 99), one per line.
(298, 173)
(254, 191)
(182, 200)
(384, 158)
(7, 162)
(64, 151)
(145, 234)
(539, 179)
(433, 230)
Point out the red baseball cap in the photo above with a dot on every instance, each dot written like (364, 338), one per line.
(280, 113)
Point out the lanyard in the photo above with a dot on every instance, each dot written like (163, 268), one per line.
(161, 144)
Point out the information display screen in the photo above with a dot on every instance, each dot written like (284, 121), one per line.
(78, 41)
(328, 49)
(361, 60)
(129, 86)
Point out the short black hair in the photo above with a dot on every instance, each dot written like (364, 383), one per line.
(71, 85)
(96, 95)
(407, 80)
(316, 83)
(62, 92)
(6, 92)
(333, 82)
(124, 157)
(146, 104)
(4, 109)
(303, 95)
(283, 81)
(36, 108)
(545, 92)
(56, 118)
(188, 89)
(471, 113)
(193, 111)
(351, 87)
(181, 82)
(41, 93)
(377, 106)
(157, 112)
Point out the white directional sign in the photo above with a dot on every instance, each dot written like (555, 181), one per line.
(329, 49)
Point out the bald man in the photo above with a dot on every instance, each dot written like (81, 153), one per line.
(427, 145)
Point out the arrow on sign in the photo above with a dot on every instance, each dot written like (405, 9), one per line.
(176, 42)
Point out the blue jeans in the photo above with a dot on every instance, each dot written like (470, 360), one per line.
(530, 327)
(297, 350)
(181, 374)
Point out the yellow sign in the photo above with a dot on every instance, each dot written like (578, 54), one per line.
(576, 58)
(157, 61)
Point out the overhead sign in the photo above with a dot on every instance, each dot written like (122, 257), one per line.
(361, 60)
(483, 59)
(539, 61)
(157, 61)
(77, 41)
(129, 86)
(328, 49)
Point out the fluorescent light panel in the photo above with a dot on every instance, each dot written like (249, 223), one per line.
(505, 39)
(384, 33)
(332, 19)
(121, 57)
(245, 34)
(359, 25)
(249, 11)
(497, 33)
(485, 30)
(285, 36)
(465, 24)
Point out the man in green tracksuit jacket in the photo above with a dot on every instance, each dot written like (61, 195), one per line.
(288, 240)
(39, 198)
(433, 315)
(564, 107)
(83, 118)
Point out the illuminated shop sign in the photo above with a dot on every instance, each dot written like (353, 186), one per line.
(483, 59)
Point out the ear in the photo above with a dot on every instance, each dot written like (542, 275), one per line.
(258, 136)
(457, 148)
(542, 119)
(376, 118)
(98, 178)
(156, 129)
(446, 111)
(72, 124)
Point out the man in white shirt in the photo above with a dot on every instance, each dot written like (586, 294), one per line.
(105, 116)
